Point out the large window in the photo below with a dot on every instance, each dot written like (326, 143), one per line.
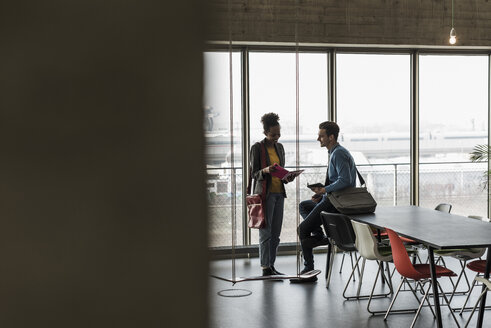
(373, 109)
(453, 105)
(373, 106)
(223, 142)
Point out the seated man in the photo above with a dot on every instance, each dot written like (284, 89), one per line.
(341, 173)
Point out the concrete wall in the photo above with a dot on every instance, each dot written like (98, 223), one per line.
(101, 148)
(404, 22)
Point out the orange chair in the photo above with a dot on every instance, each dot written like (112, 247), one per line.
(420, 273)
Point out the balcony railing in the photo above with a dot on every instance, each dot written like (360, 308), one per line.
(457, 183)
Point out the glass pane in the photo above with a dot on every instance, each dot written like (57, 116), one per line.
(313, 105)
(453, 119)
(313, 109)
(224, 178)
(373, 110)
(273, 89)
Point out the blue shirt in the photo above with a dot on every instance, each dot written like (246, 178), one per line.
(342, 169)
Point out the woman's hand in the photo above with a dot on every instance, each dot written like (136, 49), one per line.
(268, 169)
(290, 178)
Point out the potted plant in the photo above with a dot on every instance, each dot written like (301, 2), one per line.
(480, 153)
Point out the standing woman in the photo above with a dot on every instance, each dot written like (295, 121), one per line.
(269, 236)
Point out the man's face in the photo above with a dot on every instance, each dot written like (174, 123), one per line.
(325, 140)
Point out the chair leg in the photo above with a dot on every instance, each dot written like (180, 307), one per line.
(342, 262)
(468, 295)
(428, 298)
(361, 278)
(358, 268)
(352, 266)
(389, 278)
(474, 308)
(393, 271)
(358, 296)
(389, 282)
(329, 272)
(462, 273)
(394, 298)
(380, 270)
(448, 304)
(349, 279)
(425, 297)
(413, 291)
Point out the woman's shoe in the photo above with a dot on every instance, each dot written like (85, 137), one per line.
(276, 271)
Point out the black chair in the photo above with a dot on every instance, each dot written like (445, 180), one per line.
(341, 235)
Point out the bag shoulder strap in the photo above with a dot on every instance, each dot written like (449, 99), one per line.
(250, 179)
(360, 177)
(263, 164)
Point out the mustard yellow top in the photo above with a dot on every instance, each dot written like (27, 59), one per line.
(275, 182)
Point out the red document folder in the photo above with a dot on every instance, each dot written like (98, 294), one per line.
(283, 173)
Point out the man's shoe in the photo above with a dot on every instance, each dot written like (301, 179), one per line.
(276, 271)
(305, 270)
(313, 279)
(268, 272)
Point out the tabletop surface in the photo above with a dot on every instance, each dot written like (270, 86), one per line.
(431, 227)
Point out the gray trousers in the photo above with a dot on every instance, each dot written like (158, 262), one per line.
(269, 236)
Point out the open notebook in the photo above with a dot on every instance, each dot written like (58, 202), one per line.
(283, 173)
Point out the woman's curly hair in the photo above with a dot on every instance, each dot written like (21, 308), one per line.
(269, 120)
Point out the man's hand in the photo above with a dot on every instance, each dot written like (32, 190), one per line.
(316, 198)
(319, 190)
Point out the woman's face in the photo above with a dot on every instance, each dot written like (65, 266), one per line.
(273, 134)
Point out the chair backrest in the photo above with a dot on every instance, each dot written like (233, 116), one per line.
(338, 227)
(444, 207)
(366, 243)
(400, 257)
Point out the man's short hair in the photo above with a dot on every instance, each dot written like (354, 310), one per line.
(331, 128)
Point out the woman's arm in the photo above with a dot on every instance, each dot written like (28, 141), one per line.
(255, 162)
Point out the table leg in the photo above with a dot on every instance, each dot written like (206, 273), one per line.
(435, 287)
(379, 238)
(483, 299)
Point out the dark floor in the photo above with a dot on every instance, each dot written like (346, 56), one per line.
(283, 304)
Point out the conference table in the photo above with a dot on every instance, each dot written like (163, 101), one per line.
(436, 230)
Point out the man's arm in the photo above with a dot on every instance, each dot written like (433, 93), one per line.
(342, 165)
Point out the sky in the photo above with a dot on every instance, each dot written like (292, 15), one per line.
(373, 92)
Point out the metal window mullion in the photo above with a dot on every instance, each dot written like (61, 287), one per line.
(414, 150)
(246, 231)
(332, 107)
(489, 133)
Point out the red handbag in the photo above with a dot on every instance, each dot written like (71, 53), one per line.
(256, 211)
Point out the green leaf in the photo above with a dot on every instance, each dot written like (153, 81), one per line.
(480, 153)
